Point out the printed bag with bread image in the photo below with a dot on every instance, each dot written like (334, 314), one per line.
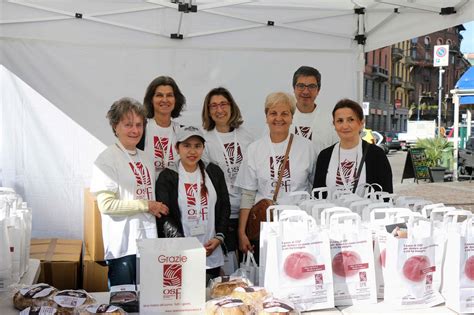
(34, 296)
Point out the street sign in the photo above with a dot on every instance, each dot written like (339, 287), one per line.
(398, 103)
(441, 56)
(415, 165)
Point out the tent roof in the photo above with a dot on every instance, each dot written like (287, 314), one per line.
(466, 82)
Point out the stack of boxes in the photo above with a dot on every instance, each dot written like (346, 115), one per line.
(93, 266)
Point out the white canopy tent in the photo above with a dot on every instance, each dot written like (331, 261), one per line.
(82, 55)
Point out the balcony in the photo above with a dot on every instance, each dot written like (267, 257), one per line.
(397, 54)
(409, 61)
(396, 81)
(409, 86)
(379, 73)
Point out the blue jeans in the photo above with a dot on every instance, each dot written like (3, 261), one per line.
(122, 270)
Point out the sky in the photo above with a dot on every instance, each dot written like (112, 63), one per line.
(467, 44)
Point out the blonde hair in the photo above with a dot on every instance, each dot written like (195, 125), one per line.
(280, 98)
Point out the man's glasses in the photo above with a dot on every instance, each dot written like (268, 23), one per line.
(302, 86)
(221, 105)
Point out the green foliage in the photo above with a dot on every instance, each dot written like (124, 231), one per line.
(433, 149)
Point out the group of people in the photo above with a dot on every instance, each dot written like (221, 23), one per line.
(162, 179)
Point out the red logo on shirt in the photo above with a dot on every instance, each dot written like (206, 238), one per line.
(191, 193)
(304, 131)
(161, 146)
(141, 173)
(279, 160)
(347, 171)
(231, 153)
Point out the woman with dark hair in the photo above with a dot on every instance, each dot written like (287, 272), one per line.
(226, 146)
(123, 180)
(337, 166)
(197, 197)
(163, 101)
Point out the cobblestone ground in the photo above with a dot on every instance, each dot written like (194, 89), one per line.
(458, 194)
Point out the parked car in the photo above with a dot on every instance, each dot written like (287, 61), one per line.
(466, 158)
(391, 138)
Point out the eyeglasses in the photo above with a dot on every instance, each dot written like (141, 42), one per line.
(221, 105)
(302, 86)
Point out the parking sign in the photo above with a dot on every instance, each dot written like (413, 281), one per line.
(441, 56)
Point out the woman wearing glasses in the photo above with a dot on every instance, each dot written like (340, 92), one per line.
(226, 146)
(259, 173)
(163, 101)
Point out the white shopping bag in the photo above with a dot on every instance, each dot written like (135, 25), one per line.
(352, 261)
(172, 276)
(250, 268)
(410, 266)
(458, 284)
(379, 218)
(230, 263)
(298, 264)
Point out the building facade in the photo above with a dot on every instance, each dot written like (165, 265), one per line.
(401, 83)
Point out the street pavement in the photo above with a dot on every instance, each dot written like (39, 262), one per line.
(458, 194)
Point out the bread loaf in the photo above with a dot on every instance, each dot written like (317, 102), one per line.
(35, 295)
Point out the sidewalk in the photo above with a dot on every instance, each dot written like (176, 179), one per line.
(457, 194)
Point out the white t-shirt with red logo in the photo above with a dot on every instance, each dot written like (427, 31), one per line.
(235, 144)
(259, 171)
(197, 213)
(315, 127)
(160, 144)
(130, 177)
(343, 167)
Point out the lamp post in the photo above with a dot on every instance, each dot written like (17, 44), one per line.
(440, 93)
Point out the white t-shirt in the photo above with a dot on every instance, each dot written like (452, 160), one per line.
(259, 172)
(315, 127)
(227, 150)
(160, 144)
(130, 178)
(343, 167)
(197, 213)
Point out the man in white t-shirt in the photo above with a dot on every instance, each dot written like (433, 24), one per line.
(308, 120)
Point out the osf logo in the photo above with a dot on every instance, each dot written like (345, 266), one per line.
(172, 275)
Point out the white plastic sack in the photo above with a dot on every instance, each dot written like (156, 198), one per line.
(6, 257)
(250, 268)
(230, 263)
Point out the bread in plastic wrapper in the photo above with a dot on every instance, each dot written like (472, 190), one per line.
(273, 306)
(39, 310)
(69, 302)
(227, 306)
(223, 286)
(34, 295)
(250, 295)
(102, 309)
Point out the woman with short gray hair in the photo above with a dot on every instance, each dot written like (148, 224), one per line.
(123, 181)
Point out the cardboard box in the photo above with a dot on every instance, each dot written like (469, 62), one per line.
(172, 276)
(60, 261)
(94, 275)
(93, 227)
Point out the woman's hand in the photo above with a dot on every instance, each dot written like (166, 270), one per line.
(157, 208)
(244, 243)
(211, 245)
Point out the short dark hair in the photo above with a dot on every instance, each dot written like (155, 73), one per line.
(235, 116)
(307, 71)
(180, 100)
(347, 103)
(122, 107)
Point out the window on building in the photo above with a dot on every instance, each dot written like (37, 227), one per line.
(449, 42)
(379, 91)
(366, 83)
(385, 61)
(385, 92)
(366, 57)
(372, 92)
(427, 41)
(439, 41)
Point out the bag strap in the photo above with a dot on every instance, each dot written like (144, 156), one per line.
(282, 168)
(361, 165)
